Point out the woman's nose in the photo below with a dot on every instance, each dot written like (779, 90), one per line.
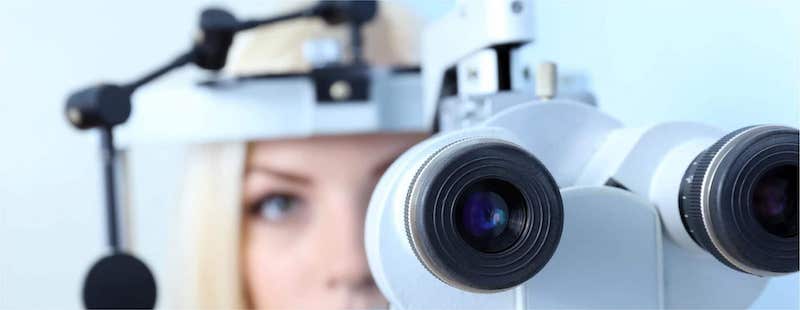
(345, 258)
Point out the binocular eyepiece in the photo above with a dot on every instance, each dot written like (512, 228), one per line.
(483, 214)
(739, 199)
(475, 209)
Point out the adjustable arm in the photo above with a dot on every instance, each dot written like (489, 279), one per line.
(109, 179)
(108, 105)
(104, 106)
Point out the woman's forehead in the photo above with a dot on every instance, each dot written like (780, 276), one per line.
(300, 154)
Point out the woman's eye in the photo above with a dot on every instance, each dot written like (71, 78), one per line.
(276, 208)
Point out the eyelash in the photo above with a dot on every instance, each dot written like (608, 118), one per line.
(291, 202)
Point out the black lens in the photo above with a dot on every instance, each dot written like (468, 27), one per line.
(488, 211)
(775, 202)
(485, 215)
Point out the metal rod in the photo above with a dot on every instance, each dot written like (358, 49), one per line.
(245, 25)
(108, 154)
(356, 43)
(179, 61)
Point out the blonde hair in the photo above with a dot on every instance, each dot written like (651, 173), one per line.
(389, 39)
(207, 263)
(206, 256)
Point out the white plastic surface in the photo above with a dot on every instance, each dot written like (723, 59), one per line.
(665, 190)
(640, 162)
(651, 162)
(397, 272)
(487, 23)
(563, 144)
(478, 73)
(177, 110)
(702, 282)
(609, 256)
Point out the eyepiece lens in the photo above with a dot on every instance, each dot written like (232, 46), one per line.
(482, 214)
(739, 200)
(485, 214)
(490, 215)
(775, 201)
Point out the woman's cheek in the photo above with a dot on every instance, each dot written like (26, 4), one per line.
(273, 267)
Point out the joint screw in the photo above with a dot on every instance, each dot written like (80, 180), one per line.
(340, 90)
(74, 116)
(516, 7)
(472, 73)
(526, 73)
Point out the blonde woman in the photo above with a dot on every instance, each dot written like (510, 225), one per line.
(279, 223)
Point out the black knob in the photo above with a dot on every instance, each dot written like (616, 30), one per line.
(104, 105)
(337, 12)
(217, 28)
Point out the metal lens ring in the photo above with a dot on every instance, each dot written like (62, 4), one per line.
(483, 215)
(739, 200)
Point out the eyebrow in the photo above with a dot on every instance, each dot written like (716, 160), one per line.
(291, 177)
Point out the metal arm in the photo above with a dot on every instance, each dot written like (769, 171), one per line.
(496, 25)
(105, 106)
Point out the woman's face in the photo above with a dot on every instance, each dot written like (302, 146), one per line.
(306, 201)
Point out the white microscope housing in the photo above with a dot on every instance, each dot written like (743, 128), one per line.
(612, 230)
(619, 187)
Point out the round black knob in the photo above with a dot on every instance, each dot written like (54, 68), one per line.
(103, 105)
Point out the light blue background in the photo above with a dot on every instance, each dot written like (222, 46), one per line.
(727, 63)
